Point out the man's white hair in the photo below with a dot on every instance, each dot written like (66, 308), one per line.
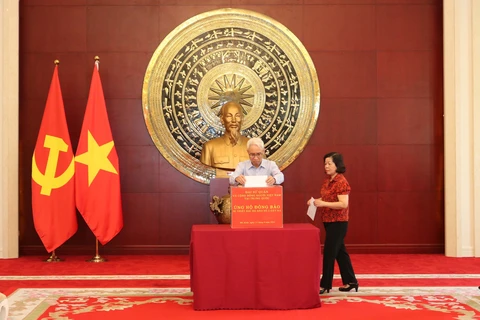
(257, 142)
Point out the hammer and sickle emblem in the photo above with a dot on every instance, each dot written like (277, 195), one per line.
(48, 181)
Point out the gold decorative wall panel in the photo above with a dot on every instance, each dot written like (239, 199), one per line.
(224, 55)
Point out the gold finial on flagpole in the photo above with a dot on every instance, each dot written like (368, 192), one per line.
(57, 62)
(97, 62)
(53, 258)
(97, 257)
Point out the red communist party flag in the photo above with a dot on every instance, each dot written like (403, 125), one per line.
(53, 169)
(97, 175)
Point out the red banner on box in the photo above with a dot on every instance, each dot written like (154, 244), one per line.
(257, 207)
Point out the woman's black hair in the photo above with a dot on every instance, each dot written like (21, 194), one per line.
(337, 158)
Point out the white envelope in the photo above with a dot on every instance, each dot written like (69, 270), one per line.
(312, 210)
(256, 181)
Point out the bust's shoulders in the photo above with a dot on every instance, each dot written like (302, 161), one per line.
(214, 140)
(243, 140)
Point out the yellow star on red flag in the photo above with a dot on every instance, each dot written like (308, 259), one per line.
(96, 158)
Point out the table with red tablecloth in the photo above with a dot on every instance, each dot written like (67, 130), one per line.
(275, 268)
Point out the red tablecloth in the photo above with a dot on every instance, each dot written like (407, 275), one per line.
(255, 268)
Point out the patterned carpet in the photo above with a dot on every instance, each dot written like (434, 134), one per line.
(96, 303)
(142, 287)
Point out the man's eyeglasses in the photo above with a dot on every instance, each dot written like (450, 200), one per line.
(257, 155)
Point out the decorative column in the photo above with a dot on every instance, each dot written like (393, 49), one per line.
(462, 127)
(9, 39)
(476, 122)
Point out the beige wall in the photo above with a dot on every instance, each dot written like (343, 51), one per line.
(9, 35)
(476, 117)
(462, 123)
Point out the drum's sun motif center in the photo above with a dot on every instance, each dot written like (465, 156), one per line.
(230, 89)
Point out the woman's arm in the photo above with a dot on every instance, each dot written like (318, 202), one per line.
(342, 202)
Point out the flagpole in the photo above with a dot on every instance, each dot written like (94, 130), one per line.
(103, 217)
(97, 257)
(97, 62)
(53, 258)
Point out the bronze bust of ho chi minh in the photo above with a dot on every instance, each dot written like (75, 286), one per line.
(226, 151)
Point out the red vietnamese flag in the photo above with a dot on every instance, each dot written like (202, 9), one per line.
(97, 175)
(53, 168)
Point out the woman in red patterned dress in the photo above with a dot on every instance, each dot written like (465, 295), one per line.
(333, 204)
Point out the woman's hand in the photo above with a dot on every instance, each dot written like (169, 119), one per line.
(319, 203)
(342, 203)
(315, 201)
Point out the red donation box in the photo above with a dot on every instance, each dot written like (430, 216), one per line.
(257, 207)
